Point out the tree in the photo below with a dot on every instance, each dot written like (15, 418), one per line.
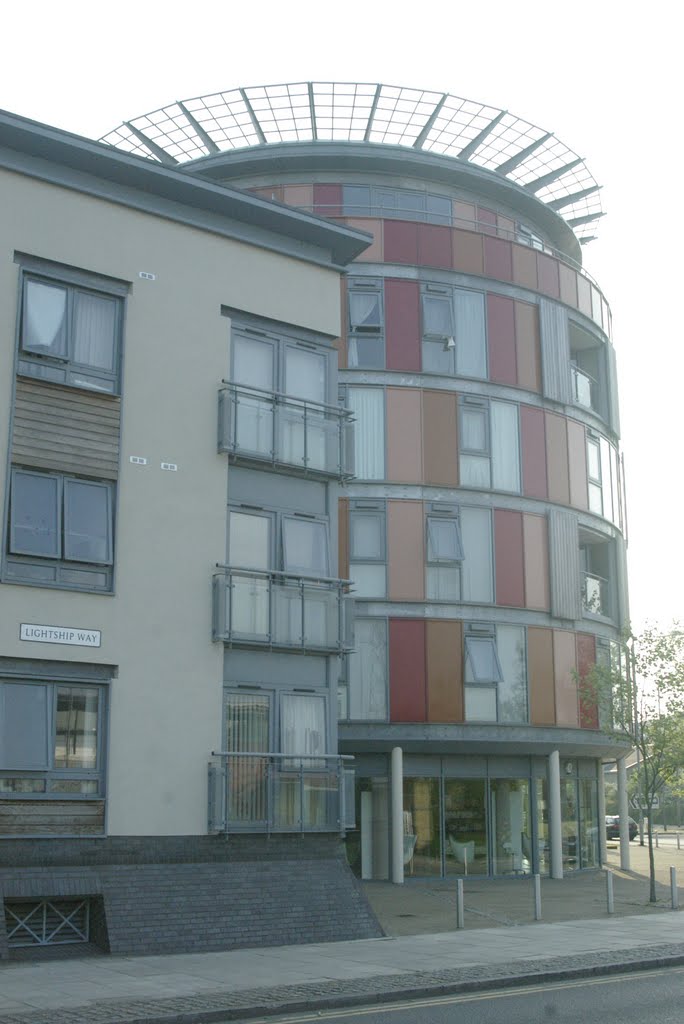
(638, 693)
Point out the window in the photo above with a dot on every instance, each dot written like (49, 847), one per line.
(405, 204)
(588, 368)
(495, 674)
(303, 726)
(454, 334)
(367, 672)
(366, 342)
(70, 332)
(444, 553)
(60, 530)
(51, 739)
(368, 408)
(367, 551)
(594, 475)
(597, 566)
(490, 444)
(477, 570)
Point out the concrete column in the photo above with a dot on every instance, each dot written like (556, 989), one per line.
(397, 816)
(623, 811)
(555, 827)
(603, 853)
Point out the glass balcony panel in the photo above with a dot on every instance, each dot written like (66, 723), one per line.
(308, 439)
(321, 617)
(287, 605)
(583, 387)
(248, 612)
(594, 594)
(247, 790)
(253, 424)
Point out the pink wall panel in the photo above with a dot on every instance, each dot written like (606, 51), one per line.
(434, 246)
(408, 698)
(501, 339)
(404, 436)
(557, 458)
(402, 324)
(533, 446)
(586, 659)
(508, 547)
(373, 227)
(401, 241)
(405, 549)
(536, 548)
(577, 464)
(486, 220)
(328, 200)
(498, 258)
(547, 271)
(467, 251)
(525, 266)
(564, 666)
(299, 195)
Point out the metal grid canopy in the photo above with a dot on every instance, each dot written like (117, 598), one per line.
(365, 112)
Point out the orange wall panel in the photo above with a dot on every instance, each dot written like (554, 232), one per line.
(405, 544)
(527, 346)
(467, 251)
(440, 440)
(404, 441)
(444, 671)
(536, 559)
(540, 676)
(577, 464)
(374, 227)
(564, 667)
(525, 267)
(299, 195)
(557, 458)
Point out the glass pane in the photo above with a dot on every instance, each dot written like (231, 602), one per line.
(306, 437)
(438, 209)
(249, 541)
(9, 785)
(356, 199)
(365, 310)
(438, 316)
(593, 461)
(543, 847)
(474, 430)
(605, 478)
(305, 374)
(480, 704)
(248, 610)
(443, 583)
(23, 727)
(305, 547)
(95, 322)
(510, 642)
(511, 827)
(471, 356)
(253, 424)
(476, 568)
(465, 827)
(482, 663)
(505, 446)
(368, 671)
(34, 515)
(444, 540)
(570, 825)
(253, 363)
(369, 579)
(474, 471)
(366, 539)
(596, 499)
(588, 801)
(44, 328)
(87, 522)
(368, 407)
(76, 728)
(437, 358)
(247, 730)
(302, 725)
(321, 617)
(422, 845)
(366, 352)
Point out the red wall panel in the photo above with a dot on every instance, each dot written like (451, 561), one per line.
(498, 258)
(402, 324)
(408, 696)
(501, 339)
(533, 446)
(508, 545)
(434, 246)
(328, 200)
(586, 659)
(401, 241)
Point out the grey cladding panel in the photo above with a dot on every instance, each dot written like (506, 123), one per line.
(565, 564)
(276, 490)
(621, 582)
(555, 351)
(613, 410)
(66, 429)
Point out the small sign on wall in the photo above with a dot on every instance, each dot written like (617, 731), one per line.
(72, 635)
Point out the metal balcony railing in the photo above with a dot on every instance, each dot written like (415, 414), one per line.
(584, 388)
(275, 609)
(266, 426)
(595, 594)
(263, 792)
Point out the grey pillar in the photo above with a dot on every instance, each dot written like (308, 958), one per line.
(397, 816)
(555, 828)
(623, 810)
(603, 853)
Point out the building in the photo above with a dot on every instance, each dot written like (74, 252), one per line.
(464, 446)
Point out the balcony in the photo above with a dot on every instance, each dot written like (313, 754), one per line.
(272, 609)
(261, 792)
(284, 432)
(584, 389)
(595, 595)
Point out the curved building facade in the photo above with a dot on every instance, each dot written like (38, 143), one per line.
(484, 527)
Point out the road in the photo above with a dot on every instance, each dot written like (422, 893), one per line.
(655, 996)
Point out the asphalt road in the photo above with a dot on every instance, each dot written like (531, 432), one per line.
(653, 996)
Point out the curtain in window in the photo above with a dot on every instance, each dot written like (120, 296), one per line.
(76, 727)
(302, 725)
(94, 330)
(253, 363)
(505, 447)
(476, 568)
(247, 731)
(471, 357)
(368, 672)
(364, 310)
(249, 540)
(368, 407)
(45, 319)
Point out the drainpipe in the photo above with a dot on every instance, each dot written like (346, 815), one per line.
(623, 811)
(397, 816)
(603, 852)
(555, 828)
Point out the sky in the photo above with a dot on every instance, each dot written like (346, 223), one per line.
(602, 76)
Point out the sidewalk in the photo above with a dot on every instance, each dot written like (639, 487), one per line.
(493, 950)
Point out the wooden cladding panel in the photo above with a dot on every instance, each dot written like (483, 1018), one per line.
(66, 429)
(440, 441)
(407, 670)
(536, 557)
(444, 642)
(564, 666)
(540, 676)
(51, 817)
(557, 458)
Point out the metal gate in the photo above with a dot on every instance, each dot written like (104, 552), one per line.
(46, 922)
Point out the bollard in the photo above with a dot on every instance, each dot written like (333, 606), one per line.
(656, 839)
(678, 838)
(609, 892)
(459, 903)
(673, 888)
(537, 897)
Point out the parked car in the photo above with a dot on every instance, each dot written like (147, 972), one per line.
(613, 827)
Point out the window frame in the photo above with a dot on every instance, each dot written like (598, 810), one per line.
(448, 294)
(65, 369)
(357, 333)
(489, 632)
(276, 537)
(50, 775)
(376, 510)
